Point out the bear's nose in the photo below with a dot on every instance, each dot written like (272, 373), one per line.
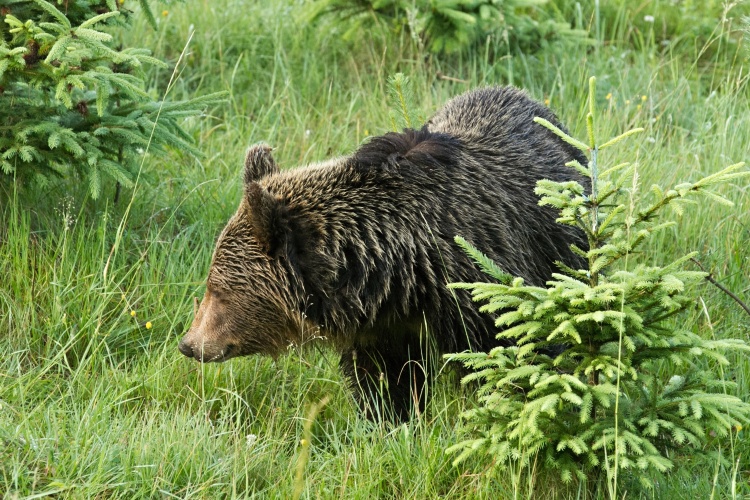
(185, 349)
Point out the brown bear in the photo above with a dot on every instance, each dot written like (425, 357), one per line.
(358, 250)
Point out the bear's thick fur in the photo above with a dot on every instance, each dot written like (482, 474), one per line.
(359, 249)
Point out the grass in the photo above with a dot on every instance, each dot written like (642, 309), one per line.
(95, 404)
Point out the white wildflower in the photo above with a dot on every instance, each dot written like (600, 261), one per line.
(250, 440)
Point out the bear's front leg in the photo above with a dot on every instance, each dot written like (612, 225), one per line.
(388, 379)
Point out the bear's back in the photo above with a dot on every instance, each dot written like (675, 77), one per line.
(500, 120)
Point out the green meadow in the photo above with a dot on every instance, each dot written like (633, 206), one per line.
(95, 399)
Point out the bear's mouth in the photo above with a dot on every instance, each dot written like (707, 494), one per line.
(228, 352)
(200, 354)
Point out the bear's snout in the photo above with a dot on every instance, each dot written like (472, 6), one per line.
(185, 348)
(204, 340)
(206, 352)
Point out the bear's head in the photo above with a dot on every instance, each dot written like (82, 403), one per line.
(249, 305)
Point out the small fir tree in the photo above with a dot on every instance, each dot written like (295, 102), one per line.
(632, 386)
(72, 103)
(401, 97)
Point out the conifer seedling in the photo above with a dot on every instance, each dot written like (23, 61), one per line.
(632, 387)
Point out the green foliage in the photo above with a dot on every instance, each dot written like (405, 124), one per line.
(702, 27)
(486, 264)
(73, 103)
(446, 26)
(631, 386)
(401, 96)
(95, 405)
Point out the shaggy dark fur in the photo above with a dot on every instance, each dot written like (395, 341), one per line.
(359, 249)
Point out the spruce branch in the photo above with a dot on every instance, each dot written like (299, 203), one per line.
(621, 137)
(485, 263)
(709, 277)
(562, 135)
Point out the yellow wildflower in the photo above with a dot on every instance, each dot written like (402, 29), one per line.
(148, 325)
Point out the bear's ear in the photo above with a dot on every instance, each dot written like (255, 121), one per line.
(266, 217)
(259, 163)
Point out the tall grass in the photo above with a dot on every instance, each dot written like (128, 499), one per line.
(97, 402)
